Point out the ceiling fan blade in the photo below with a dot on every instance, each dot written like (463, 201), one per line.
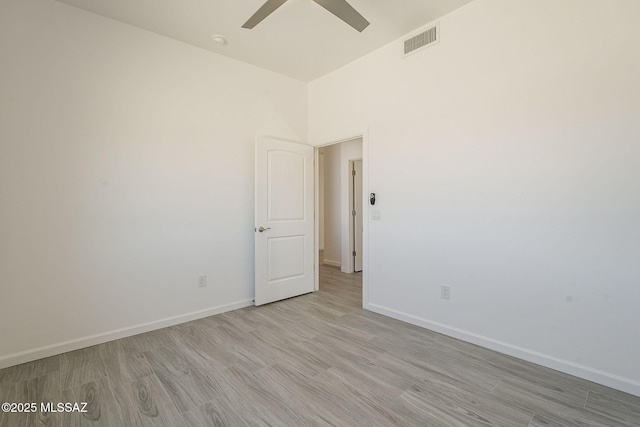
(265, 10)
(346, 12)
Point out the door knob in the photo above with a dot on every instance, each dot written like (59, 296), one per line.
(262, 229)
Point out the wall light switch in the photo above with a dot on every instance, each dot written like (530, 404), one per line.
(202, 281)
(376, 215)
(445, 292)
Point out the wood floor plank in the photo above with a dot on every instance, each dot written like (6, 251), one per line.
(257, 401)
(571, 416)
(333, 306)
(612, 393)
(565, 394)
(291, 353)
(187, 386)
(370, 375)
(205, 323)
(101, 405)
(218, 412)
(80, 367)
(122, 365)
(335, 355)
(388, 327)
(27, 371)
(457, 406)
(9, 419)
(248, 351)
(544, 381)
(610, 407)
(430, 366)
(264, 319)
(200, 347)
(318, 404)
(288, 313)
(6, 379)
(45, 388)
(7, 386)
(540, 421)
(374, 405)
(283, 334)
(311, 312)
(144, 402)
(337, 330)
(148, 341)
(369, 326)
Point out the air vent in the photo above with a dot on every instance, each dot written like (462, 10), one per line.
(422, 40)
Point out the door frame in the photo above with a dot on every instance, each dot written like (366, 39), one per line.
(352, 218)
(344, 137)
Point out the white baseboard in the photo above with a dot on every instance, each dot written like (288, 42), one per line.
(76, 344)
(332, 263)
(607, 379)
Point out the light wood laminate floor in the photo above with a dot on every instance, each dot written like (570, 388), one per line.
(315, 360)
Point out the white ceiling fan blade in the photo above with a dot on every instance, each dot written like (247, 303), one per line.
(346, 12)
(265, 10)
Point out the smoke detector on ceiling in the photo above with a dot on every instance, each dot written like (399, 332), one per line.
(218, 39)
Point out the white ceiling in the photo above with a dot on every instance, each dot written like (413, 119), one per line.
(300, 39)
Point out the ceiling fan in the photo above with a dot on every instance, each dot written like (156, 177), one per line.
(339, 8)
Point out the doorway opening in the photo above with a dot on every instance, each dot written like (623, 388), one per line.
(340, 214)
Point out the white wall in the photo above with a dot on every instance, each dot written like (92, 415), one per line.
(505, 161)
(126, 171)
(332, 206)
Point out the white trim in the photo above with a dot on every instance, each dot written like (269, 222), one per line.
(76, 344)
(365, 218)
(571, 368)
(332, 263)
(351, 267)
(316, 220)
(347, 244)
(352, 240)
(344, 137)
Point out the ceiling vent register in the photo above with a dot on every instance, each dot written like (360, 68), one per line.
(422, 40)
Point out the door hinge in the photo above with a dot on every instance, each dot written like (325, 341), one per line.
(353, 173)
(354, 253)
(353, 213)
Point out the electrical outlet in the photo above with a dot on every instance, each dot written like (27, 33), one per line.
(202, 281)
(445, 292)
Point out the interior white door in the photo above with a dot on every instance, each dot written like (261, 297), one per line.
(284, 217)
(358, 216)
